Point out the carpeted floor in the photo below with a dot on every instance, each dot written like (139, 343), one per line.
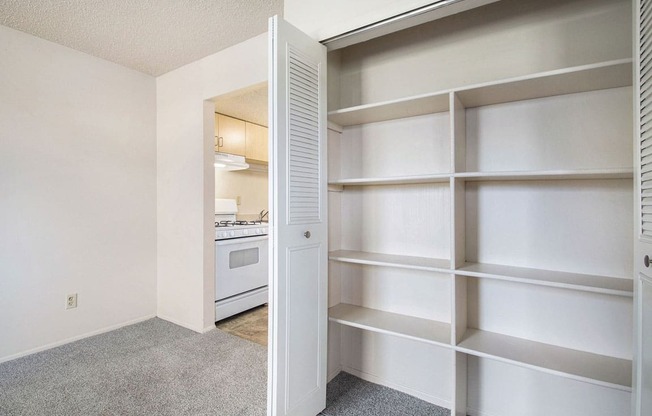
(348, 395)
(150, 368)
(158, 368)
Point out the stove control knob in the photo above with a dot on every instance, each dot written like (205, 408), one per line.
(232, 233)
(245, 232)
(258, 231)
(223, 234)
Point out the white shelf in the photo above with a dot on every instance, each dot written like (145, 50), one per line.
(398, 180)
(610, 173)
(566, 174)
(585, 282)
(579, 365)
(603, 75)
(391, 260)
(418, 329)
(390, 110)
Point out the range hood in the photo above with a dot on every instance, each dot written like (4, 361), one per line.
(226, 161)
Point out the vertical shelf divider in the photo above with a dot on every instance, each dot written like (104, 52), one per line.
(458, 284)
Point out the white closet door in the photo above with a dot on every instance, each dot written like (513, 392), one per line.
(643, 287)
(299, 229)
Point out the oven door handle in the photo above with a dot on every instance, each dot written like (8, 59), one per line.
(241, 240)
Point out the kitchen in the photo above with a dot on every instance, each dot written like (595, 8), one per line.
(241, 213)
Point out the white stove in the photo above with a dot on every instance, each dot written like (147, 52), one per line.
(241, 263)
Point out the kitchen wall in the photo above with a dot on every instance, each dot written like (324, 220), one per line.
(77, 194)
(250, 185)
(186, 177)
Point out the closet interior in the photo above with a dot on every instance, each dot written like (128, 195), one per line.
(481, 209)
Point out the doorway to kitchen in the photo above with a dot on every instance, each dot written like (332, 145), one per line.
(241, 213)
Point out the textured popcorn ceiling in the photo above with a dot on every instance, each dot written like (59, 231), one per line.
(248, 104)
(151, 36)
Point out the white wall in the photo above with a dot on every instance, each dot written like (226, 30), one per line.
(77, 194)
(324, 19)
(250, 185)
(186, 181)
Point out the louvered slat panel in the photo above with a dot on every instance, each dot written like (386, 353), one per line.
(645, 10)
(303, 151)
(646, 137)
(645, 114)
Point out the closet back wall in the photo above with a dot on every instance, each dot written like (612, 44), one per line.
(502, 40)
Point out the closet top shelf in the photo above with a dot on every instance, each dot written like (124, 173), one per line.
(598, 76)
(533, 175)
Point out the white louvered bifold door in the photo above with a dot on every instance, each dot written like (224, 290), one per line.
(642, 383)
(645, 116)
(299, 230)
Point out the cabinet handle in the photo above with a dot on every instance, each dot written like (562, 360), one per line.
(220, 142)
(306, 234)
(646, 261)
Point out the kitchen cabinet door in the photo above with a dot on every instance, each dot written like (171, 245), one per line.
(230, 135)
(256, 143)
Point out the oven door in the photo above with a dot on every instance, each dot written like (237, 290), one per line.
(240, 265)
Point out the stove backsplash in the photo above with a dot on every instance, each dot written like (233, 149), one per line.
(250, 186)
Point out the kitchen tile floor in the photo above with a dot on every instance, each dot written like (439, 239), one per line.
(250, 325)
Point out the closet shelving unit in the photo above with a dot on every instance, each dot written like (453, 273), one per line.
(461, 268)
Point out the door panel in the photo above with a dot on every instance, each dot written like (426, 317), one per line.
(303, 318)
(298, 223)
(646, 346)
(642, 382)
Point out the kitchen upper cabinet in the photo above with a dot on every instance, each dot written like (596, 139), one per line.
(256, 142)
(230, 135)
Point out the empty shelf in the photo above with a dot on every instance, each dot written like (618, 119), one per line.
(392, 260)
(576, 281)
(398, 180)
(418, 329)
(598, 76)
(603, 75)
(579, 365)
(390, 110)
(615, 173)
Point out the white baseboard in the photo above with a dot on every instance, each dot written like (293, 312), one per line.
(334, 373)
(75, 338)
(182, 324)
(208, 329)
(476, 412)
(412, 392)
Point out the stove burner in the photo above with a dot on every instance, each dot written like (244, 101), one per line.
(235, 223)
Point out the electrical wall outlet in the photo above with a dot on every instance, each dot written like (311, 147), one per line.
(238, 200)
(71, 301)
